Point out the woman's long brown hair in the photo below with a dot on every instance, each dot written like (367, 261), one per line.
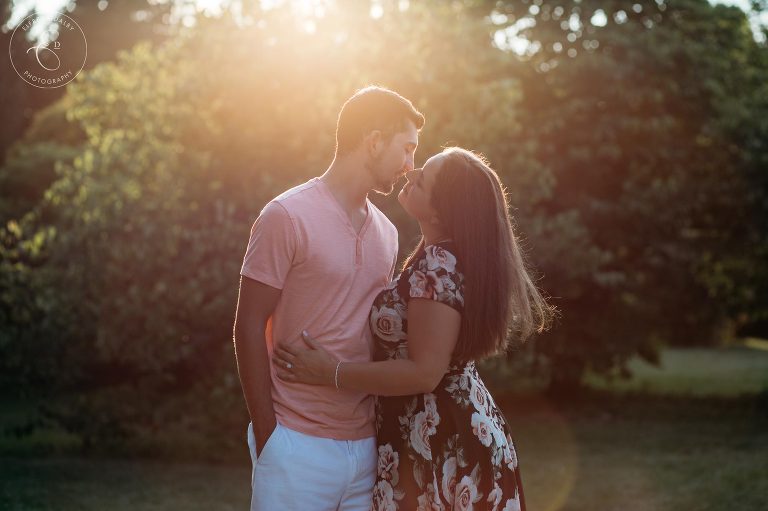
(501, 302)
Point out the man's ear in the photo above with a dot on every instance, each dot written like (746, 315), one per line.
(374, 143)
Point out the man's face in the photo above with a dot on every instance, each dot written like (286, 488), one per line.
(394, 159)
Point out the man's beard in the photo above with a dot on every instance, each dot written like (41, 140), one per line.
(384, 188)
(381, 186)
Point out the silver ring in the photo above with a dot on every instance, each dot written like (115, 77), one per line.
(288, 365)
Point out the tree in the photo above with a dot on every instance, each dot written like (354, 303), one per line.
(633, 167)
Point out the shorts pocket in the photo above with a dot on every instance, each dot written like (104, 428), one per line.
(268, 446)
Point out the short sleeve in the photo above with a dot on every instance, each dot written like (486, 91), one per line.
(394, 263)
(271, 247)
(435, 276)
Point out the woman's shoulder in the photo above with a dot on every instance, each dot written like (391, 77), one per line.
(436, 275)
(440, 256)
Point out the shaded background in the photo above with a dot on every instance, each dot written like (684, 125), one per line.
(633, 139)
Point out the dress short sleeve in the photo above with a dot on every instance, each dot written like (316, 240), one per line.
(271, 247)
(435, 276)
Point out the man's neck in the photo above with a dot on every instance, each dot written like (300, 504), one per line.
(349, 183)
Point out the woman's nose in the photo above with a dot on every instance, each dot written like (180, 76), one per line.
(410, 175)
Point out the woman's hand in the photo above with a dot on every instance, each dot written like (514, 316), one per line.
(314, 366)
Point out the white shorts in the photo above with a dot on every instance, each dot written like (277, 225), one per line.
(295, 471)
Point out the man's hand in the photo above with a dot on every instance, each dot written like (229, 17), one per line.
(262, 430)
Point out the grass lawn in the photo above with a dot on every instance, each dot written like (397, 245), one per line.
(641, 454)
(645, 454)
(613, 451)
(730, 371)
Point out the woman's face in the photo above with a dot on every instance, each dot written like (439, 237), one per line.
(416, 195)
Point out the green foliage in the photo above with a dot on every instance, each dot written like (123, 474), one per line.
(642, 122)
(635, 169)
(30, 166)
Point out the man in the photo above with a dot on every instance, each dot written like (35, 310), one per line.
(317, 257)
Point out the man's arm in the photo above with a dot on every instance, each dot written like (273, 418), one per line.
(255, 304)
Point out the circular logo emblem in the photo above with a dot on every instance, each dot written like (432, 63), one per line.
(56, 58)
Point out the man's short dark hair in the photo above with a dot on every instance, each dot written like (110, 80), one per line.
(373, 108)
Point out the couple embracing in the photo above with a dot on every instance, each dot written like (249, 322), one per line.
(361, 383)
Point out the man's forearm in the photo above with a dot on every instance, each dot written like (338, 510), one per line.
(255, 380)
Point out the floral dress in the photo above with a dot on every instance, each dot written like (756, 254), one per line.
(451, 448)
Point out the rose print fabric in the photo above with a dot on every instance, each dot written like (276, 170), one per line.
(449, 449)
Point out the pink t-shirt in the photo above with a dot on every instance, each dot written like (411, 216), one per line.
(304, 243)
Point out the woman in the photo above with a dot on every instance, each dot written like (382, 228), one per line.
(442, 441)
